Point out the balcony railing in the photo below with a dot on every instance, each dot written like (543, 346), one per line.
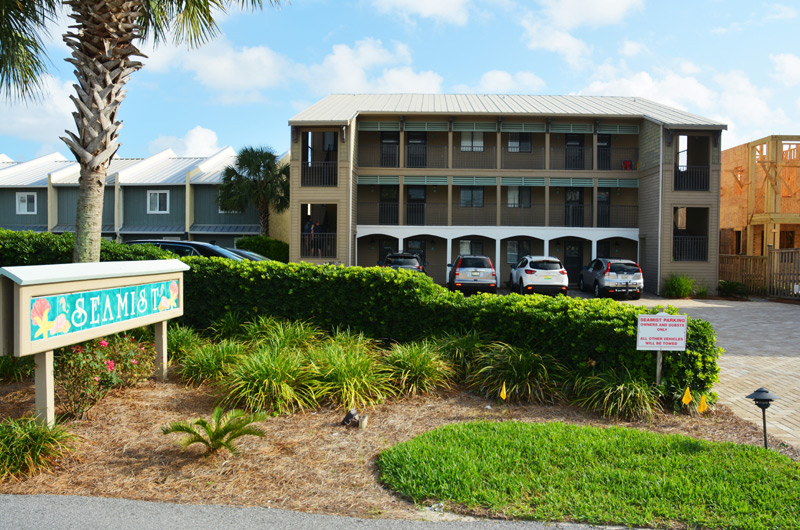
(378, 213)
(571, 215)
(690, 248)
(318, 245)
(426, 214)
(485, 158)
(515, 215)
(574, 158)
(319, 174)
(612, 216)
(691, 178)
(617, 158)
(485, 215)
(423, 156)
(516, 159)
(377, 155)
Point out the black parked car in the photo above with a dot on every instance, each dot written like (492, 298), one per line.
(188, 248)
(404, 260)
(248, 254)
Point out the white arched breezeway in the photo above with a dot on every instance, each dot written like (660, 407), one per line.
(553, 240)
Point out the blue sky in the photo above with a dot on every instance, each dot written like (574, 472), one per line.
(734, 61)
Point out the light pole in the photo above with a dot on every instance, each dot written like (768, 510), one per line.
(763, 398)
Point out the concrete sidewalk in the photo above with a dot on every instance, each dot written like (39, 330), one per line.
(761, 339)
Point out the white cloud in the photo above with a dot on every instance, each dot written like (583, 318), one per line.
(568, 14)
(449, 11)
(197, 142)
(746, 103)
(501, 82)
(540, 35)
(632, 49)
(42, 120)
(354, 70)
(779, 12)
(668, 89)
(689, 68)
(787, 68)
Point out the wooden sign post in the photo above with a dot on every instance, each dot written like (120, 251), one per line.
(44, 307)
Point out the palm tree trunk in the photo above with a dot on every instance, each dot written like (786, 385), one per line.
(102, 48)
(263, 215)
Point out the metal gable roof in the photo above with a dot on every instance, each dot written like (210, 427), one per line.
(33, 173)
(339, 109)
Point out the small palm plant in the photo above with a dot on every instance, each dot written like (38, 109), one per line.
(220, 432)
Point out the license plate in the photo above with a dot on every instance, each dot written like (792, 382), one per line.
(548, 277)
(476, 273)
(625, 276)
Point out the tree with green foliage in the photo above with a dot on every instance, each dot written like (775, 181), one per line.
(103, 38)
(257, 178)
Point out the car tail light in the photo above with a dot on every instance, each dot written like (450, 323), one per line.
(530, 271)
(493, 271)
(563, 271)
(608, 272)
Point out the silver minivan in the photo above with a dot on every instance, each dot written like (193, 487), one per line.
(609, 277)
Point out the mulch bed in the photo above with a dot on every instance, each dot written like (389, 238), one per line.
(307, 462)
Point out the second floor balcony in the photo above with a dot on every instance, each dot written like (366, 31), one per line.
(691, 178)
(436, 214)
(690, 248)
(322, 174)
(475, 158)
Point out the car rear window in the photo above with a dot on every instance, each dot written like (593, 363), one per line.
(546, 265)
(404, 261)
(624, 268)
(476, 263)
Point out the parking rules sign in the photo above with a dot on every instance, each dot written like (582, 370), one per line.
(661, 332)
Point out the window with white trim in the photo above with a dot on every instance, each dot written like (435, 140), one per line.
(26, 203)
(472, 141)
(158, 201)
(519, 142)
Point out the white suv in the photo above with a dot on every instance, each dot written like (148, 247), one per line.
(539, 274)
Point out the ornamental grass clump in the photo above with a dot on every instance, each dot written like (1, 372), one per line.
(220, 432)
(229, 326)
(182, 340)
(527, 376)
(28, 446)
(348, 374)
(210, 362)
(282, 334)
(417, 368)
(678, 286)
(270, 380)
(617, 395)
(460, 349)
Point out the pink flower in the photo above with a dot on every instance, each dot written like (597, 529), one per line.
(96, 379)
(110, 365)
(134, 361)
(103, 343)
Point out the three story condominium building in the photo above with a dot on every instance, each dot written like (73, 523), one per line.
(576, 177)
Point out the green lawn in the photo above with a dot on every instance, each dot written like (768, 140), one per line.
(558, 472)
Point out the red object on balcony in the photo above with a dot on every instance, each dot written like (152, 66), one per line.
(627, 165)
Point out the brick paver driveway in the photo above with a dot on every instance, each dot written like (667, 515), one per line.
(762, 349)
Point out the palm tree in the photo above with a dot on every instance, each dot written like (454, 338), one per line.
(258, 178)
(220, 432)
(103, 40)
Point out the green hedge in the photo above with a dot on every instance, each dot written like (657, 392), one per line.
(270, 248)
(43, 248)
(584, 334)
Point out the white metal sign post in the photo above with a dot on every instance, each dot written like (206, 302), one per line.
(661, 332)
(44, 307)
